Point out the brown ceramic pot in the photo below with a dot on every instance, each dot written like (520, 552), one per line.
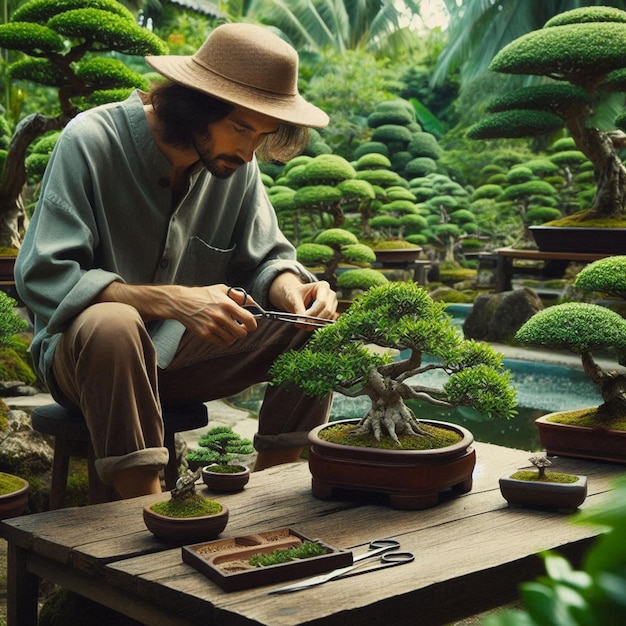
(581, 442)
(411, 479)
(565, 497)
(225, 482)
(185, 529)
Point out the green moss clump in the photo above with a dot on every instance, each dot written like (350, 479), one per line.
(193, 506)
(344, 434)
(548, 477)
(306, 550)
(10, 483)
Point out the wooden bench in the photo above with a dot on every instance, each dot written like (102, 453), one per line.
(472, 551)
(506, 265)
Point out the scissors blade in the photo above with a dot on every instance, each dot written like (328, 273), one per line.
(312, 582)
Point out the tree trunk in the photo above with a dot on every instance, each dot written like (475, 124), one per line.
(610, 173)
(14, 174)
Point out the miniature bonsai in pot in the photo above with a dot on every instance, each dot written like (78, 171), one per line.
(399, 316)
(584, 328)
(186, 516)
(219, 455)
(544, 489)
(581, 51)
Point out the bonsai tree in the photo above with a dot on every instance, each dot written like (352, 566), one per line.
(221, 446)
(61, 41)
(332, 247)
(585, 328)
(582, 52)
(400, 316)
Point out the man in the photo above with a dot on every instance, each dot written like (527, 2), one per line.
(150, 209)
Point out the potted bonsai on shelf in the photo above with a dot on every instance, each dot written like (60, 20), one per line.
(582, 53)
(186, 516)
(219, 456)
(390, 450)
(544, 489)
(586, 329)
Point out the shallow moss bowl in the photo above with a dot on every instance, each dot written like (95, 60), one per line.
(185, 529)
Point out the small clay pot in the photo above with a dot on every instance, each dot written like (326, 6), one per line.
(185, 529)
(564, 497)
(225, 482)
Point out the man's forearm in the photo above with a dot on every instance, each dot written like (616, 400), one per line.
(152, 301)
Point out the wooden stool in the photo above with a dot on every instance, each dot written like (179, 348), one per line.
(71, 439)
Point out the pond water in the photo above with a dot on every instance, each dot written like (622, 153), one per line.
(541, 388)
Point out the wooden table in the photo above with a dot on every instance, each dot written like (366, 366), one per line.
(506, 257)
(471, 551)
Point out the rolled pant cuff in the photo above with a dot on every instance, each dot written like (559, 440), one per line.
(282, 441)
(150, 458)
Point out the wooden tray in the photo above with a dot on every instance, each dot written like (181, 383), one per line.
(224, 561)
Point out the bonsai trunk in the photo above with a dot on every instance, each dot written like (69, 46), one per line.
(612, 386)
(14, 174)
(610, 173)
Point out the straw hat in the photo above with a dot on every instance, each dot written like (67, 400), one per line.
(248, 66)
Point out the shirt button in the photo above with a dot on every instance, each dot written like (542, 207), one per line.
(164, 182)
(164, 262)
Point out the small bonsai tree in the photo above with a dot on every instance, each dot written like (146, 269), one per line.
(221, 445)
(61, 41)
(400, 316)
(585, 328)
(582, 51)
(332, 247)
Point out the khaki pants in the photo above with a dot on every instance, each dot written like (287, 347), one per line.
(105, 366)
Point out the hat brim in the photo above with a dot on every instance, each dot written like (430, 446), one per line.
(292, 109)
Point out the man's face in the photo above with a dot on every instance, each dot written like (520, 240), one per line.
(232, 141)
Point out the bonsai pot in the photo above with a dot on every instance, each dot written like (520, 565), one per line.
(543, 494)
(185, 529)
(410, 479)
(581, 441)
(392, 256)
(579, 239)
(14, 502)
(225, 481)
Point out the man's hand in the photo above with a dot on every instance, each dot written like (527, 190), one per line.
(206, 311)
(288, 293)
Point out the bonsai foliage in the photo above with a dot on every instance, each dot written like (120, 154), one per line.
(59, 40)
(401, 316)
(585, 328)
(11, 323)
(332, 247)
(582, 52)
(185, 501)
(220, 445)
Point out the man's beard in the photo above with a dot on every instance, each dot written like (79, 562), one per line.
(215, 164)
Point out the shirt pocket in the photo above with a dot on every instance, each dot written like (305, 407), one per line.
(204, 264)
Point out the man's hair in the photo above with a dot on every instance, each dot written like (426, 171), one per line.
(184, 113)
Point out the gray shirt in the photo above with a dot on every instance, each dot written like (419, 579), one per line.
(105, 214)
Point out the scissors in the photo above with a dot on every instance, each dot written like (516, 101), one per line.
(279, 316)
(390, 557)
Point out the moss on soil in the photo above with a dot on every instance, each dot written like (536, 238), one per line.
(344, 434)
(548, 477)
(589, 418)
(193, 506)
(9, 483)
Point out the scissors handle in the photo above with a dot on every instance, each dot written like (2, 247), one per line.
(378, 546)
